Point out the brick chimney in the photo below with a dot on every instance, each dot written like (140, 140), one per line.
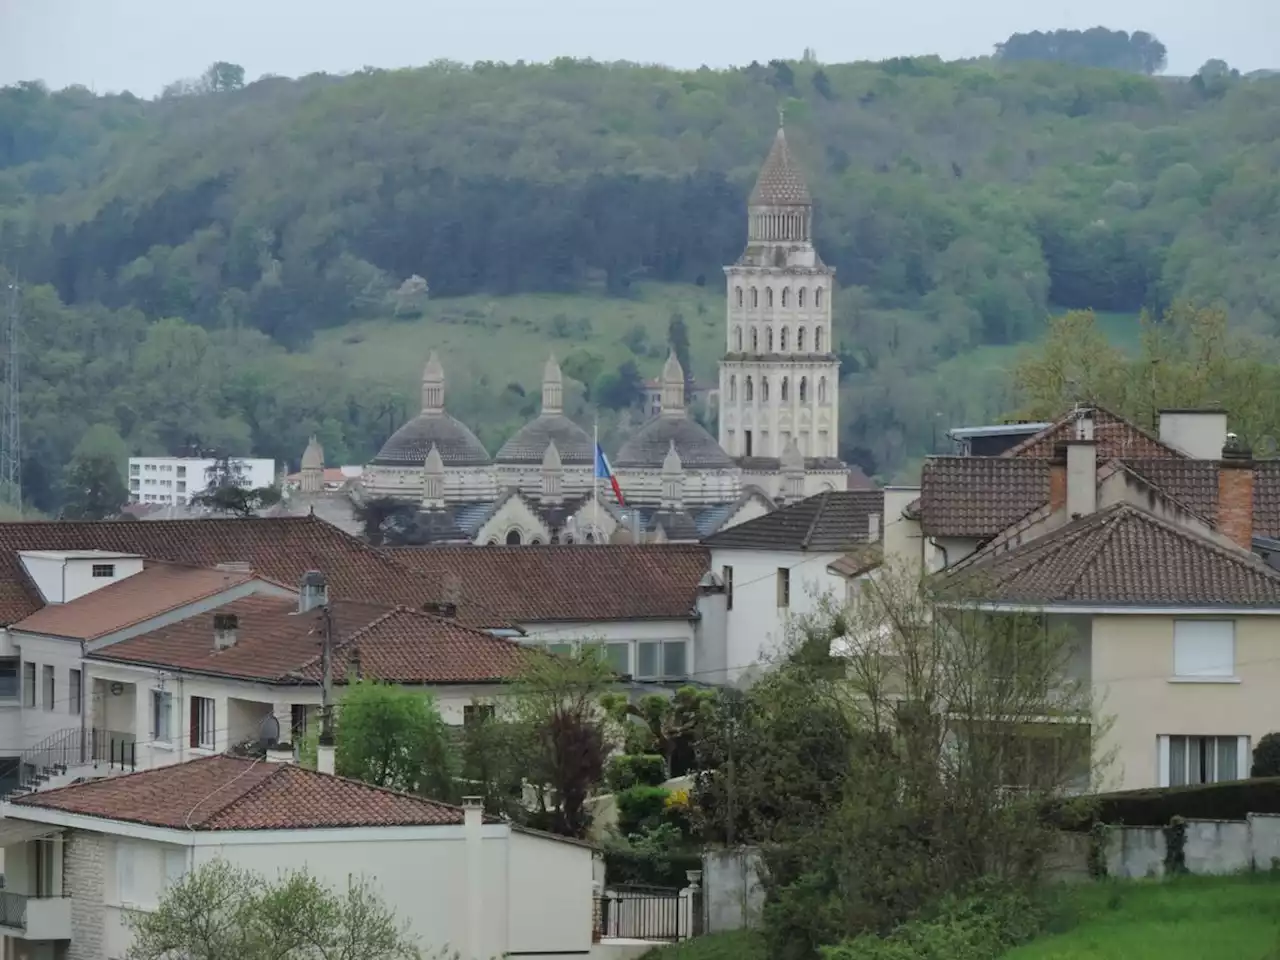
(1058, 478)
(1235, 492)
(1082, 477)
(226, 630)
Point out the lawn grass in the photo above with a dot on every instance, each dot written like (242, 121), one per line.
(1192, 918)
(738, 945)
(507, 339)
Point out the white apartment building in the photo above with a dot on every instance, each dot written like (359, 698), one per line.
(175, 480)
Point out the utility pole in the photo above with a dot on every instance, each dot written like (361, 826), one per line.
(326, 665)
(10, 416)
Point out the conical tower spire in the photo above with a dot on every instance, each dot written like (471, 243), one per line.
(433, 386)
(781, 207)
(433, 480)
(552, 387)
(672, 387)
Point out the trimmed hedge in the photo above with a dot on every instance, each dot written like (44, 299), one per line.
(629, 868)
(1157, 806)
(640, 808)
(635, 770)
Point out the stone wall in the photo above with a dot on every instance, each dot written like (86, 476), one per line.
(731, 886)
(1211, 847)
(84, 880)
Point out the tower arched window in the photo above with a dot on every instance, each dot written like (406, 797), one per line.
(737, 339)
(786, 296)
(747, 392)
(733, 387)
(755, 340)
(768, 339)
(804, 389)
(817, 339)
(764, 389)
(822, 390)
(784, 389)
(800, 340)
(783, 343)
(817, 297)
(739, 295)
(513, 538)
(755, 297)
(768, 296)
(799, 298)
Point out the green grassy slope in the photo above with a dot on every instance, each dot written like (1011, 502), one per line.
(507, 339)
(1196, 918)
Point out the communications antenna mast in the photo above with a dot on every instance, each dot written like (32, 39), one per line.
(10, 410)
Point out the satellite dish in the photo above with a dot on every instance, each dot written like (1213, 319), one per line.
(268, 732)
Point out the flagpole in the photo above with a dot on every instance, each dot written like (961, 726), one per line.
(595, 477)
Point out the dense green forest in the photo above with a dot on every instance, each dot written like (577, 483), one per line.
(183, 259)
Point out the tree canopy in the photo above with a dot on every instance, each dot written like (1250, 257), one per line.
(179, 257)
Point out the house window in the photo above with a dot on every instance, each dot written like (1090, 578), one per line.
(182, 471)
(737, 339)
(784, 587)
(513, 538)
(74, 692)
(203, 728)
(764, 389)
(728, 586)
(175, 866)
(104, 570)
(298, 721)
(1204, 648)
(161, 716)
(661, 660)
(1189, 759)
(48, 685)
(474, 713)
(126, 872)
(10, 686)
(768, 295)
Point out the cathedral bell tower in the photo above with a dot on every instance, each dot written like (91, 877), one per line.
(779, 375)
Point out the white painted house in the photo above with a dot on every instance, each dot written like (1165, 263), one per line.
(775, 569)
(175, 480)
(81, 857)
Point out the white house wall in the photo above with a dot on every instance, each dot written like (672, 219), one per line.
(534, 863)
(44, 719)
(756, 628)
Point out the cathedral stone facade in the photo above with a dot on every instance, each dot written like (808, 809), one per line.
(778, 419)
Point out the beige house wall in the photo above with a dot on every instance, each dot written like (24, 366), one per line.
(1136, 693)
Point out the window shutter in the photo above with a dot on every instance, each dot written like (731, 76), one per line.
(194, 739)
(1204, 648)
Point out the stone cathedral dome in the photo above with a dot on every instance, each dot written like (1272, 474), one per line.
(409, 446)
(529, 444)
(649, 446)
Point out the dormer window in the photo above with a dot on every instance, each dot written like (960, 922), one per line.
(104, 570)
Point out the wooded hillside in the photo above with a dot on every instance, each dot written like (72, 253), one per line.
(960, 204)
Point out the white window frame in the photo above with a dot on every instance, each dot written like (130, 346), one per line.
(1163, 756)
(1194, 665)
(661, 672)
(127, 873)
(205, 736)
(163, 737)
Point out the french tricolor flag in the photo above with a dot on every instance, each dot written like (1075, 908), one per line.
(605, 472)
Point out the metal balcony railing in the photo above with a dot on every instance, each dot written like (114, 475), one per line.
(13, 910)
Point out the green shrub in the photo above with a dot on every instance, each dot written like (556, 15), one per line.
(1266, 757)
(978, 927)
(1157, 806)
(626, 866)
(635, 770)
(640, 808)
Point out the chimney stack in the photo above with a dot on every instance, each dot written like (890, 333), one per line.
(1058, 477)
(226, 630)
(1235, 492)
(1200, 434)
(873, 528)
(1082, 477)
(313, 592)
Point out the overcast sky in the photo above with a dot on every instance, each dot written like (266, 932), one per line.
(141, 45)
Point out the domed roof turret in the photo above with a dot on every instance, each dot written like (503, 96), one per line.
(313, 456)
(410, 445)
(672, 429)
(780, 184)
(528, 444)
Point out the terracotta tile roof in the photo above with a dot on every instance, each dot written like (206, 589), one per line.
(1116, 437)
(231, 793)
(277, 644)
(282, 549)
(979, 496)
(528, 584)
(833, 522)
(780, 182)
(1193, 483)
(861, 561)
(1266, 499)
(1120, 556)
(159, 588)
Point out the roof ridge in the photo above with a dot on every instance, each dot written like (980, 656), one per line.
(31, 798)
(353, 638)
(1159, 489)
(819, 508)
(1032, 440)
(1236, 554)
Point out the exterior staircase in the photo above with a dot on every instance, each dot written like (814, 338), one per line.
(69, 756)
